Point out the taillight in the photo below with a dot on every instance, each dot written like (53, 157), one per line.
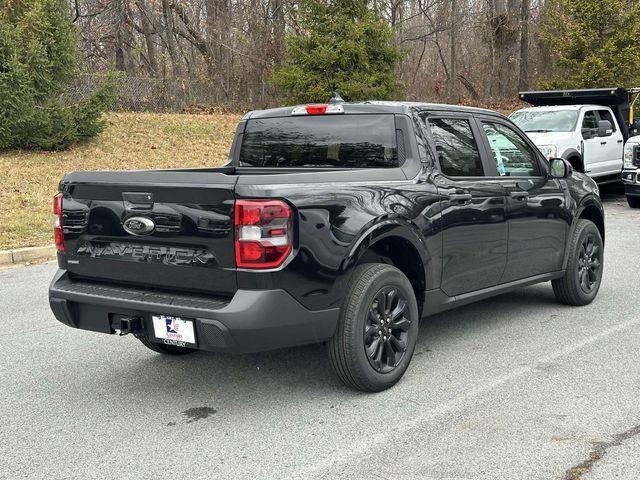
(264, 235)
(58, 233)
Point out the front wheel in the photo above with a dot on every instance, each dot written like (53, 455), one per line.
(377, 331)
(581, 280)
(633, 201)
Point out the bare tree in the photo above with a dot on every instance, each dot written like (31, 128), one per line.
(454, 49)
(453, 42)
(523, 80)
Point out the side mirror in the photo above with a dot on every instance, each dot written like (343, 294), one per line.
(588, 133)
(604, 128)
(560, 168)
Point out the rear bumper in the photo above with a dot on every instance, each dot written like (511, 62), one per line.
(250, 321)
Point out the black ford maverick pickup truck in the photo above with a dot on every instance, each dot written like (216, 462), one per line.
(342, 223)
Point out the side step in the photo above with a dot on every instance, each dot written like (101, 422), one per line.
(608, 179)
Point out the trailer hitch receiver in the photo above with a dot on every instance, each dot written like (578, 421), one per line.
(125, 325)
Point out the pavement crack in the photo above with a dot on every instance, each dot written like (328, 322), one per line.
(24, 332)
(599, 450)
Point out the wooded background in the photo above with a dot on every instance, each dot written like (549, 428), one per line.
(175, 53)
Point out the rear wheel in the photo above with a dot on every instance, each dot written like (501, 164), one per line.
(377, 331)
(633, 201)
(581, 280)
(165, 349)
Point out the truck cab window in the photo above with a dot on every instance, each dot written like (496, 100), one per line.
(513, 156)
(590, 120)
(606, 115)
(456, 147)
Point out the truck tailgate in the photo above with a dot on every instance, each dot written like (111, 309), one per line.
(166, 229)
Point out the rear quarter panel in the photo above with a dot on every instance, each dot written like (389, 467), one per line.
(336, 222)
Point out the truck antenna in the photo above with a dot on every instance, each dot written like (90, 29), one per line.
(336, 98)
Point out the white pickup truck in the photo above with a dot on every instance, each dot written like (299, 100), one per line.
(586, 127)
(631, 171)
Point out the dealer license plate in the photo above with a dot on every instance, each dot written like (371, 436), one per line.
(174, 330)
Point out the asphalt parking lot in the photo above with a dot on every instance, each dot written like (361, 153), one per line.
(516, 387)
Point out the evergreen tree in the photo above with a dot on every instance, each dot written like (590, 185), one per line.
(345, 47)
(38, 60)
(595, 43)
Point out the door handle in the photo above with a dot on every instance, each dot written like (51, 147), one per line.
(519, 195)
(603, 143)
(460, 198)
(620, 141)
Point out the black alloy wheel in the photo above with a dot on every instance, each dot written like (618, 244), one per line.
(585, 262)
(377, 330)
(589, 263)
(386, 330)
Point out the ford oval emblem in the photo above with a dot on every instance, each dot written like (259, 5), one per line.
(139, 225)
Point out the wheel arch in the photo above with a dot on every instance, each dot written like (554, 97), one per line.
(574, 157)
(593, 212)
(398, 243)
(589, 209)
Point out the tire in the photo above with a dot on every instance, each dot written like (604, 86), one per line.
(583, 276)
(576, 163)
(633, 201)
(359, 327)
(165, 349)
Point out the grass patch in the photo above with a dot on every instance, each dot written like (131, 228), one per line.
(132, 141)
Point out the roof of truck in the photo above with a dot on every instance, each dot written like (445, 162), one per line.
(375, 107)
(600, 96)
(563, 107)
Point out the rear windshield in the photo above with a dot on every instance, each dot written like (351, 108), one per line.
(353, 141)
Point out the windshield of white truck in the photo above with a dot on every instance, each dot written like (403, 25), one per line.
(542, 121)
(351, 141)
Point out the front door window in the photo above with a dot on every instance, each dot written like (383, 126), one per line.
(513, 156)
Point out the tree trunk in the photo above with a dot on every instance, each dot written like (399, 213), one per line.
(148, 38)
(277, 13)
(523, 80)
(169, 26)
(503, 22)
(453, 39)
(217, 26)
(123, 38)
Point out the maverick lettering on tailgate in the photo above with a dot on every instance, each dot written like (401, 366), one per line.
(147, 253)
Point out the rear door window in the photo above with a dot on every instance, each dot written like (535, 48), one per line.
(456, 146)
(351, 141)
(606, 115)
